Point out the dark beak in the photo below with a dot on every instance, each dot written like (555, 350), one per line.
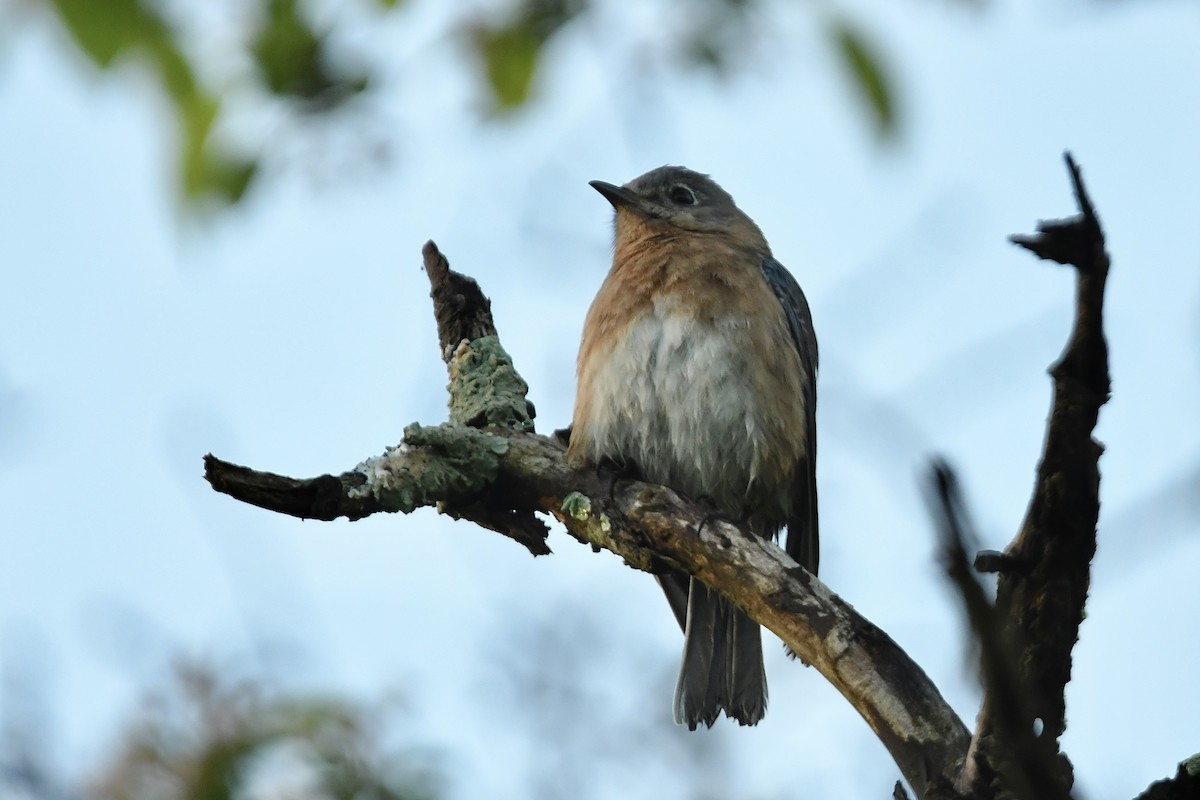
(617, 195)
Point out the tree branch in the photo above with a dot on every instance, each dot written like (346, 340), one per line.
(487, 465)
(651, 528)
(1044, 573)
(1184, 786)
(1031, 775)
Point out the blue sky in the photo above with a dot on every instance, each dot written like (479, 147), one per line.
(293, 334)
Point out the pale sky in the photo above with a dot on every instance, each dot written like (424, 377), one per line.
(293, 334)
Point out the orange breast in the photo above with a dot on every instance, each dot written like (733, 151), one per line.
(687, 369)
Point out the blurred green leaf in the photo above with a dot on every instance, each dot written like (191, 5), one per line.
(287, 50)
(207, 172)
(510, 58)
(111, 29)
(871, 80)
(220, 176)
(510, 50)
(104, 29)
(292, 58)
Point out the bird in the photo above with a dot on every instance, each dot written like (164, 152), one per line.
(697, 370)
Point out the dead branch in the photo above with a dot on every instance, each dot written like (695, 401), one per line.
(1031, 774)
(1185, 785)
(1044, 573)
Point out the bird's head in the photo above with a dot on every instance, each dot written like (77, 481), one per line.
(681, 198)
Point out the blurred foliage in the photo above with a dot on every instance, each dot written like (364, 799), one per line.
(869, 77)
(292, 58)
(572, 704)
(208, 737)
(114, 29)
(717, 32)
(293, 63)
(510, 48)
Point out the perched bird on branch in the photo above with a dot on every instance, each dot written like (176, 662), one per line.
(698, 371)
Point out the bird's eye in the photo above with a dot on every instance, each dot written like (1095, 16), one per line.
(682, 195)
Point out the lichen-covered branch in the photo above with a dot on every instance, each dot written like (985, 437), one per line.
(653, 529)
(453, 468)
(487, 465)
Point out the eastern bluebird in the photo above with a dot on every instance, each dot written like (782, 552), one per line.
(698, 370)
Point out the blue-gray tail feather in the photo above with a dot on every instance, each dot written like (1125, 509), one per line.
(722, 668)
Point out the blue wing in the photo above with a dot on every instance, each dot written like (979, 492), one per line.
(803, 542)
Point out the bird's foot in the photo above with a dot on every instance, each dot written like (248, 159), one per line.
(615, 471)
(713, 512)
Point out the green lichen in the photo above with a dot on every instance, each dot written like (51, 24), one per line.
(466, 445)
(577, 506)
(485, 388)
(595, 528)
(446, 462)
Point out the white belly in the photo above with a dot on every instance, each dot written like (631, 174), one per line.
(676, 400)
